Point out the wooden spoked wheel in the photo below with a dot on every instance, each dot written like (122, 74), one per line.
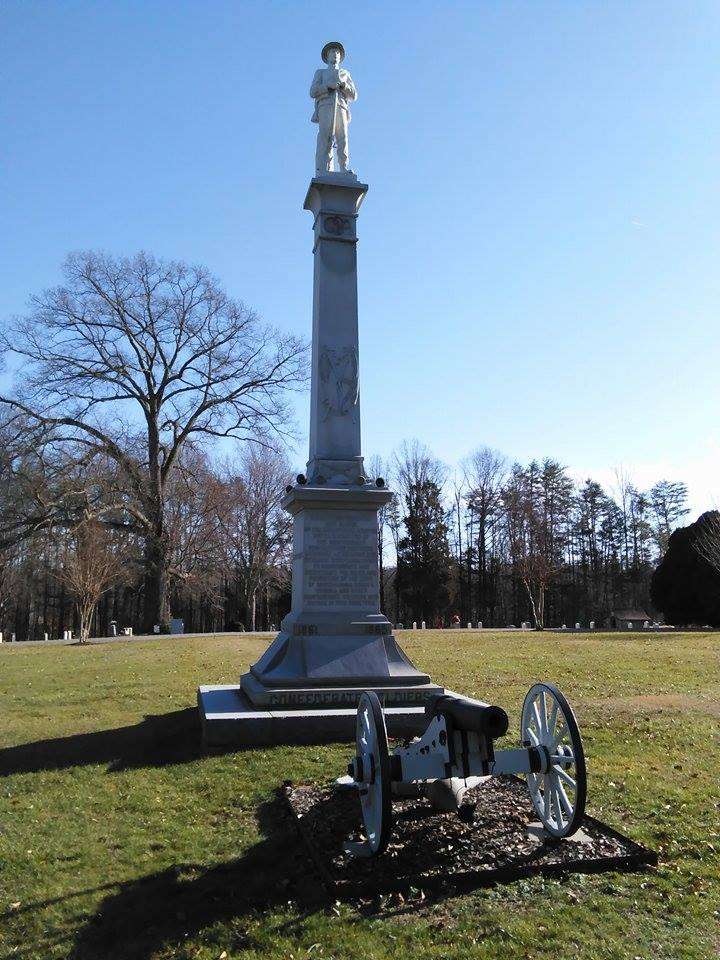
(373, 782)
(549, 724)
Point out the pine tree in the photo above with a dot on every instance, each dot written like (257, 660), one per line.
(423, 553)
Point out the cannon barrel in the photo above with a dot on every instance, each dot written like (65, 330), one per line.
(470, 715)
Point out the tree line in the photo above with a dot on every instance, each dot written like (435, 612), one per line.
(503, 543)
(119, 501)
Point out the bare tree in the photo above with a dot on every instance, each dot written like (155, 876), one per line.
(377, 468)
(90, 566)
(484, 474)
(255, 529)
(707, 540)
(197, 567)
(131, 359)
(537, 501)
(413, 465)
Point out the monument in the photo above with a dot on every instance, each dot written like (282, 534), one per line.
(335, 643)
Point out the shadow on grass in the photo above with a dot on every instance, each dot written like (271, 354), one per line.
(157, 741)
(170, 907)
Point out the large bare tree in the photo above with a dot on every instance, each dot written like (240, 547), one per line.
(130, 359)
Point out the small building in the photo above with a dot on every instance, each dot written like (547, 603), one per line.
(629, 619)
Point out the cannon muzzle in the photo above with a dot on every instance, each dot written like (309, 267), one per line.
(470, 715)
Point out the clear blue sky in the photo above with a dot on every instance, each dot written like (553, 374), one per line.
(539, 260)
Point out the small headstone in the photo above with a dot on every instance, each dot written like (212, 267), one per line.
(630, 626)
(1, 636)
(469, 626)
(577, 626)
(177, 625)
(414, 624)
(592, 624)
(645, 624)
(422, 625)
(479, 626)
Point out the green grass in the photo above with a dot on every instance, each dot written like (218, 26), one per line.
(120, 839)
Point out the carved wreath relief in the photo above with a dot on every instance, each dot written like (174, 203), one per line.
(336, 225)
(339, 380)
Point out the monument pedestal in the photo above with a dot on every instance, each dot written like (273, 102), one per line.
(335, 642)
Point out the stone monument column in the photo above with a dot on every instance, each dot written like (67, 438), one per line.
(335, 642)
(335, 458)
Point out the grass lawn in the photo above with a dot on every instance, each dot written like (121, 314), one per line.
(119, 839)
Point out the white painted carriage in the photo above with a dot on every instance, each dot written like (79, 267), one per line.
(457, 752)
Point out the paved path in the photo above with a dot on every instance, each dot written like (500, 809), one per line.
(135, 637)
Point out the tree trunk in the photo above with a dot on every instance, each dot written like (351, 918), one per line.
(540, 619)
(252, 608)
(85, 614)
(381, 570)
(536, 614)
(156, 606)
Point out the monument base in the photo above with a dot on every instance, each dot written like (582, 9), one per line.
(335, 643)
(342, 694)
(228, 718)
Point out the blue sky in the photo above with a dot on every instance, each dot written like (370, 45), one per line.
(539, 249)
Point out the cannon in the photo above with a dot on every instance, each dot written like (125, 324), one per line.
(457, 752)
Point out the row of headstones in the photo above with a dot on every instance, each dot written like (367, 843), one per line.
(525, 625)
(67, 635)
(630, 626)
(399, 626)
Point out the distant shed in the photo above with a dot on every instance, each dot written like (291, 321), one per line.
(629, 619)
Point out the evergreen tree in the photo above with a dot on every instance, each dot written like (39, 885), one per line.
(424, 553)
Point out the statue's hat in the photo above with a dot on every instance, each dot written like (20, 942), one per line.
(329, 46)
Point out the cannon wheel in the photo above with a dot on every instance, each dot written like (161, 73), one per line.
(559, 795)
(375, 797)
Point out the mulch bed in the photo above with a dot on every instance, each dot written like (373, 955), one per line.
(431, 850)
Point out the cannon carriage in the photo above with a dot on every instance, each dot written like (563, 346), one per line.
(457, 752)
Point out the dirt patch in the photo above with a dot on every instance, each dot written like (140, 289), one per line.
(430, 850)
(658, 702)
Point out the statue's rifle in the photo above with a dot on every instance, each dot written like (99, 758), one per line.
(333, 137)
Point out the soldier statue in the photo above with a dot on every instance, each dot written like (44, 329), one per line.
(333, 91)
